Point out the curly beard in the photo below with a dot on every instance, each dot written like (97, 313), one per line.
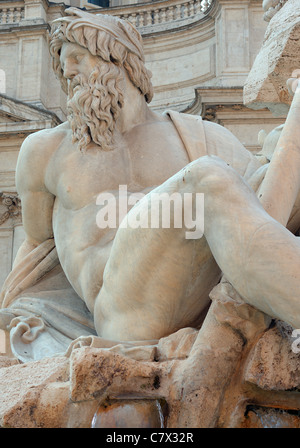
(94, 105)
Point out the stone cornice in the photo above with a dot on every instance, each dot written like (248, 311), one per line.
(24, 111)
(214, 96)
(20, 118)
(13, 12)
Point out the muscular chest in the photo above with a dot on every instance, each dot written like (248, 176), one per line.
(140, 162)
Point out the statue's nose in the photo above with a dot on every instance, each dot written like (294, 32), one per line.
(69, 70)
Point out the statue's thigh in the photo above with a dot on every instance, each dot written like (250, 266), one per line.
(153, 242)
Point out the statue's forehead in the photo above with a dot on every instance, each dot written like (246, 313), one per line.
(72, 48)
(68, 27)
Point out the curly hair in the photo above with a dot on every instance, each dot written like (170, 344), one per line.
(110, 38)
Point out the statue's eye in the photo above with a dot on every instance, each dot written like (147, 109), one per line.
(78, 58)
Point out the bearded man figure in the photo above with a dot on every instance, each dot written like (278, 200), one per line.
(74, 278)
(95, 108)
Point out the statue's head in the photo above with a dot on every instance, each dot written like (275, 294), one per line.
(95, 101)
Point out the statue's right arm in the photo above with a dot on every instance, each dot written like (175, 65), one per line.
(37, 202)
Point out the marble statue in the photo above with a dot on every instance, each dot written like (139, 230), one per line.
(73, 278)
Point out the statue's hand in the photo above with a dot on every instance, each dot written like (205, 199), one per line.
(294, 82)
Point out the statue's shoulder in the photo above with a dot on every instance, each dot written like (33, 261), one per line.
(38, 148)
(46, 139)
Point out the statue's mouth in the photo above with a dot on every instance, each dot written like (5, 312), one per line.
(74, 84)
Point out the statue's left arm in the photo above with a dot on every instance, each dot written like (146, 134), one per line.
(279, 192)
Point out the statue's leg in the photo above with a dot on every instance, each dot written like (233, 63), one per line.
(156, 279)
(257, 254)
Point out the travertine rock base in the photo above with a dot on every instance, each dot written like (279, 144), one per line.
(238, 371)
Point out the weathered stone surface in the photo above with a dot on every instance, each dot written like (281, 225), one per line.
(233, 311)
(59, 393)
(272, 363)
(197, 383)
(5, 361)
(98, 373)
(129, 414)
(178, 345)
(278, 58)
(33, 394)
(260, 417)
(43, 406)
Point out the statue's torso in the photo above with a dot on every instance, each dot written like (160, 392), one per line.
(143, 160)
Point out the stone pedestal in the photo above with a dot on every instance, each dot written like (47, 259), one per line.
(241, 370)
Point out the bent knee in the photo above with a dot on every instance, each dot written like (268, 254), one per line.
(211, 174)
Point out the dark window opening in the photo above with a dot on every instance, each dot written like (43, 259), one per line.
(103, 3)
